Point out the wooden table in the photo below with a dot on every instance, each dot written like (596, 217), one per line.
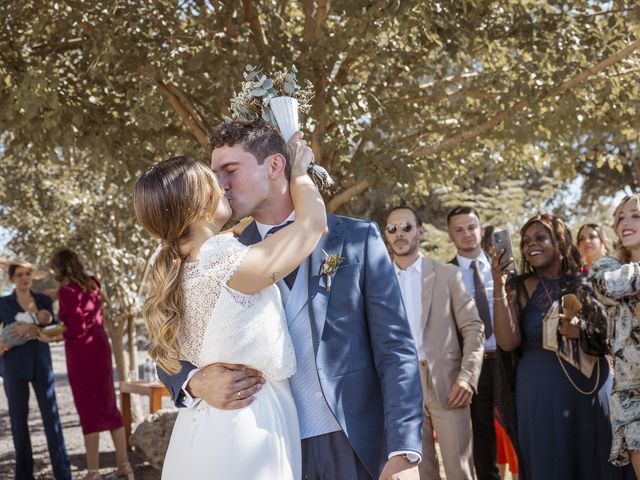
(154, 390)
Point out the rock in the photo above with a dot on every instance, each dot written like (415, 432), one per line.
(151, 437)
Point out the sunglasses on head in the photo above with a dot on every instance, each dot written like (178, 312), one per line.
(406, 227)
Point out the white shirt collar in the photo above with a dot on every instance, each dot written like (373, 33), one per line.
(416, 266)
(465, 262)
(264, 228)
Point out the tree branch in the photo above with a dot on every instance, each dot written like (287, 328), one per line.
(607, 12)
(251, 16)
(183, 112)
(48, 48)
(347, 194)
(521, 105)
(321, 18)
(462, 93)
(188, 105)
(307, 31)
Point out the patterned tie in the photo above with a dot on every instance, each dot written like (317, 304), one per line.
(291, 278)
(481, 300)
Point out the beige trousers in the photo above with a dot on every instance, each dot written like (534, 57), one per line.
(454, 435)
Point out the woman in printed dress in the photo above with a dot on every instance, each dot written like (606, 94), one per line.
(617, 284)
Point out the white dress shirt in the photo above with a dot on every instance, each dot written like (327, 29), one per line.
(410, 280)
(484, 270)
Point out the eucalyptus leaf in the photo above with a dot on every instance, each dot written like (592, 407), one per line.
(258, 92)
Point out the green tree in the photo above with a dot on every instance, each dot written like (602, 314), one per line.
(410, 96)
(63, 204)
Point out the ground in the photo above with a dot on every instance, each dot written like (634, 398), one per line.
(72, 433)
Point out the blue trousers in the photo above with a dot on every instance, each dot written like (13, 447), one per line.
(330, 457)
(17, 390)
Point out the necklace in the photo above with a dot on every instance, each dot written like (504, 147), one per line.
(546, 290)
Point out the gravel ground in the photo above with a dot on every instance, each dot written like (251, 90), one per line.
(72, 432)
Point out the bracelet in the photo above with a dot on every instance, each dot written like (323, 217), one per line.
(504, 297)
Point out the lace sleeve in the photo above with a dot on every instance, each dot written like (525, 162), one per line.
(204, 282)
(222, 257)
(614, 280)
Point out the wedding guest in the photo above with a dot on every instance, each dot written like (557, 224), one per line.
(563, 431)
(30, 363)
(89, 361)
(617, 284)
(592, 243)
(506, 453)
(465, 231)
(448, 334)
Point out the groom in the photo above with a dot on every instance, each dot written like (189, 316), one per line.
(357, 387)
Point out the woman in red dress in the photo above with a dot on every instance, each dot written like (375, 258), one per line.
(89, 361)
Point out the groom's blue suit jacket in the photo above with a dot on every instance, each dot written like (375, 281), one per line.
(365, 355)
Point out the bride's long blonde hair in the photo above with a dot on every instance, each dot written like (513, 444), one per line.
(168, 198)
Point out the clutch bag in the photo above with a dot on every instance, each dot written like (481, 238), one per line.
(550, 341)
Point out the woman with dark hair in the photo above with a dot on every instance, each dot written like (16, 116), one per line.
(617, 283)
(563, 431)
(592, 243)
(30, 363)
(89, 361)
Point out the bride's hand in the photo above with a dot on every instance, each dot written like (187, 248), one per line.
(301, 155)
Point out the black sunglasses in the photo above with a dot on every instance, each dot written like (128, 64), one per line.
(406, 227)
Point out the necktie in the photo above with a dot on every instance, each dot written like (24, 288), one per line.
(481, 300)
(291, 278)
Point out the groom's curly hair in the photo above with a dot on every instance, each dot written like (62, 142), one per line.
(258, 137)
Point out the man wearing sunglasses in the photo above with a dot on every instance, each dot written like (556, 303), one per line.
(449, 338)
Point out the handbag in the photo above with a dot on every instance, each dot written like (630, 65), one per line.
(568, 351)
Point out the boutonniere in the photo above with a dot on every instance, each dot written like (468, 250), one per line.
(329, 266)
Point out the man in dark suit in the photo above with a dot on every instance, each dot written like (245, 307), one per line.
(465, 231)
(357, 388)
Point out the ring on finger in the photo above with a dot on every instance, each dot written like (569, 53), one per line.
(238, 395)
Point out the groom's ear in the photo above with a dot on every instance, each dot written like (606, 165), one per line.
(276, 165)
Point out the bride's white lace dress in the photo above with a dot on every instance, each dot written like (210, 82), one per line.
(258, 442)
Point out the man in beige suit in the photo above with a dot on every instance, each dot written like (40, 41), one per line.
(449, 337)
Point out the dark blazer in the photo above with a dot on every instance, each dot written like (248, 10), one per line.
(366, 358)
(22, 361)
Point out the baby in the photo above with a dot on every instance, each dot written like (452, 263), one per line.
(9, 336)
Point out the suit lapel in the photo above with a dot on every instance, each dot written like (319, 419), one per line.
(428, 280)
(332, 244)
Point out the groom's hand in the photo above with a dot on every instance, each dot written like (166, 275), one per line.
(400, 468)
(226, 386)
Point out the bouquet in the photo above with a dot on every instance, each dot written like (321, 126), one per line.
(278, 100)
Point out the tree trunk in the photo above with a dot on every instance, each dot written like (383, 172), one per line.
(116, 332)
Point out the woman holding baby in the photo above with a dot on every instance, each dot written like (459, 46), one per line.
(29, 361)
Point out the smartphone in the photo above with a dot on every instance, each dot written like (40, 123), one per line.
(502, 241)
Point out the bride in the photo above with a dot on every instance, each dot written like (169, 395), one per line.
(212, 300)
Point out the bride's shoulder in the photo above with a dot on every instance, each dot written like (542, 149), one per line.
(221, 251)
(218, 244)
